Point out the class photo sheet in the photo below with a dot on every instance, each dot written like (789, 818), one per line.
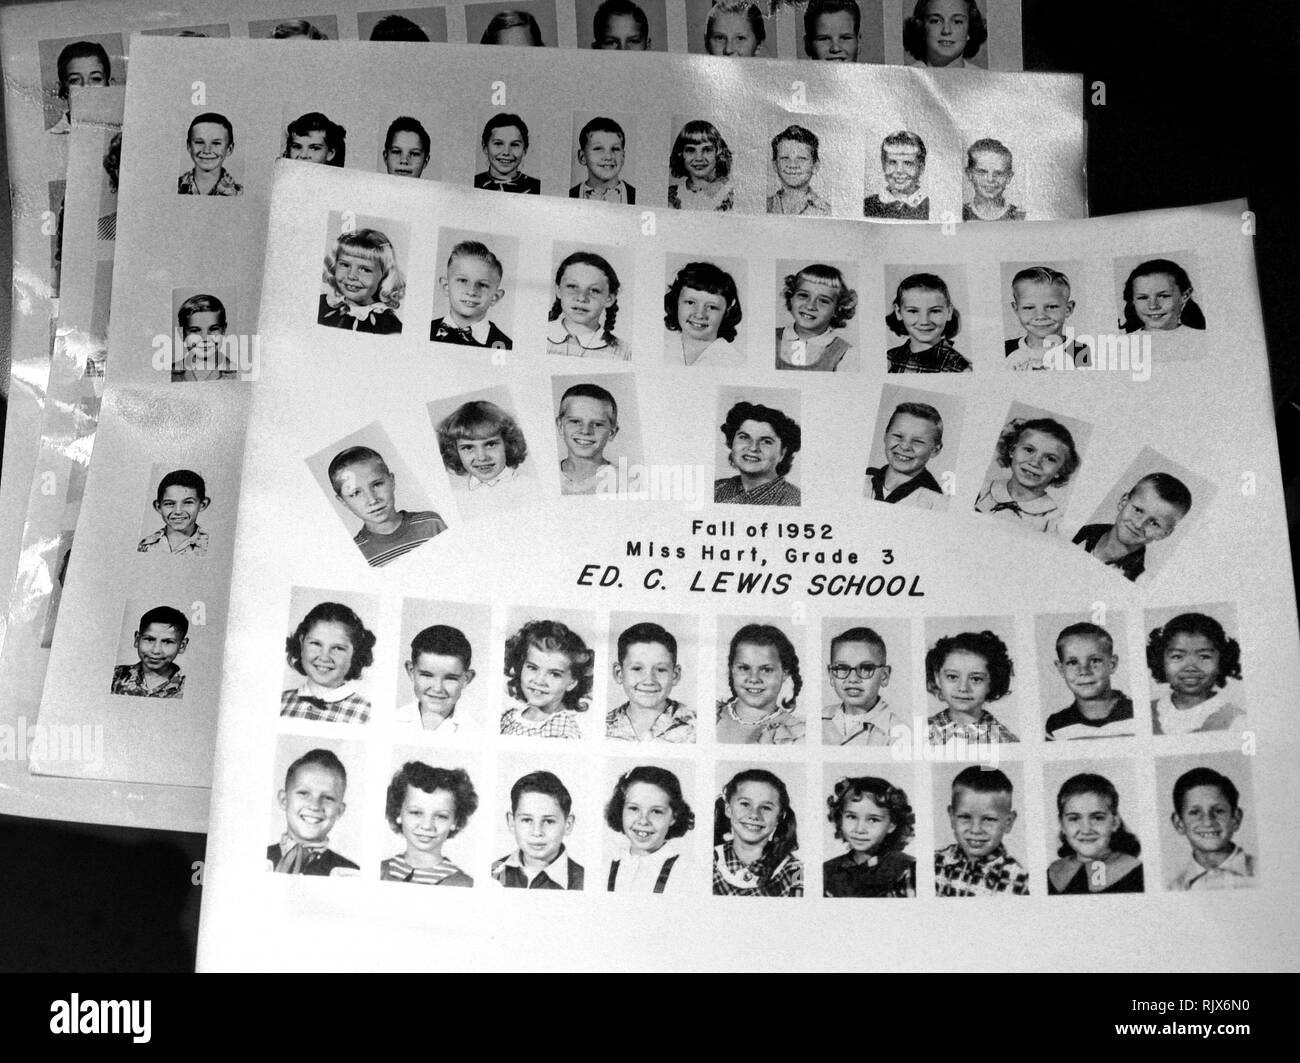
(725, 573)
(51, 51)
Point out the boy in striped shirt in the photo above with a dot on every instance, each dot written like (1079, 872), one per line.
(364, 484)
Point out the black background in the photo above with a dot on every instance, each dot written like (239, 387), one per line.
(1199, 106)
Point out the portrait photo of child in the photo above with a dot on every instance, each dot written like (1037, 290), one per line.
(158, 636)
(913, 456)
(701, 165)
(841, 31)
(816, 313)
(924, 311)
(945, 33)
(545, 833)
(310, 785)
(1037, 454)
(761, 684)
(622, 25)
(970, 675)
(756, 830)
(363, 277)
(650, 835)
(328, 653)
(365, 476)
(977, 807)
(598, 432)
(206, 335)
(502, 149)
(1038, 316)
(444, 646)
(865, 694)
(704, 310)
(311, 136)
(1158, 304)
(210, 141)
(475, 297)
(484, 452)
(1195, 663)
(731, 28)
(181, 498)
(757, 445)
(550, 667)
(989, 189)
(1095, 820)
(653, 678)
(430, 807)
(603, 159)
(408, 149)
(93, 60)
(1137, 526)
(901, 190)
(869, 825)
(1083, 672)
(1208, 823)
(589, 303)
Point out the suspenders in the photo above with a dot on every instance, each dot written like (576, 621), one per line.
(660, 882)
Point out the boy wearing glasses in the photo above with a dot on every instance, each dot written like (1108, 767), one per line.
(858, 671)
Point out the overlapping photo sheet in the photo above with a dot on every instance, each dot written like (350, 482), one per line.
(820, 161)
(51, 50)
(774, 565)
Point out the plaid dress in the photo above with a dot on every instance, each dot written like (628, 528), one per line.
(732, 878)
(351, 708)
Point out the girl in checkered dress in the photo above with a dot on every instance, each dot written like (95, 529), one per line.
(755, 840)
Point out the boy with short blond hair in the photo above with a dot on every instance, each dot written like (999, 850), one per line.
(182, 496)
(977, 864)
(439, 670)
(159, 639)
(647, 670)
(1148, 512)
(472, 284)
(989, 171)
(364, 484)
(312, 800)
(1085, 659)
(540, 817)
(913, 435)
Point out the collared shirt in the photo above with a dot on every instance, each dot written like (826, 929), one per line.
(872, 728)
(943, 357)
(444, 873)
(129, 679)
(1236, 872)
(595, 344)
(675, 724)
(720, 352)
(455, 727)
(1021, 353)
(603, 481)
(415, 528)
(477, 334)
(619, 192)
(776, 492)
(718, 196)
(377, 317)
(1009, 212)
(824, 352)
(783, 726)
(187, 185)
(516, 182)
(891, 874)
(340, 704)
(562, 873)
(562, 723)
(783, 201)
(196, 545)
(959, 875)
(886, 205)
(1132, 564)
(1071, 723)
(732, 878)
(638, 872)
(943, 728)
(921, 491)
(1216, 713)
(508, 475)
(1041, 514)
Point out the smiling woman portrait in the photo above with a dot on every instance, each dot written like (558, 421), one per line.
(761, 445)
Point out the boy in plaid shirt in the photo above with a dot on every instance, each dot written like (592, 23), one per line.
(977, 864)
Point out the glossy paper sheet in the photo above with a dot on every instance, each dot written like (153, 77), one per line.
(1059, 598)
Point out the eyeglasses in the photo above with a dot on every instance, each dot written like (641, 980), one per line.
(863, 671)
